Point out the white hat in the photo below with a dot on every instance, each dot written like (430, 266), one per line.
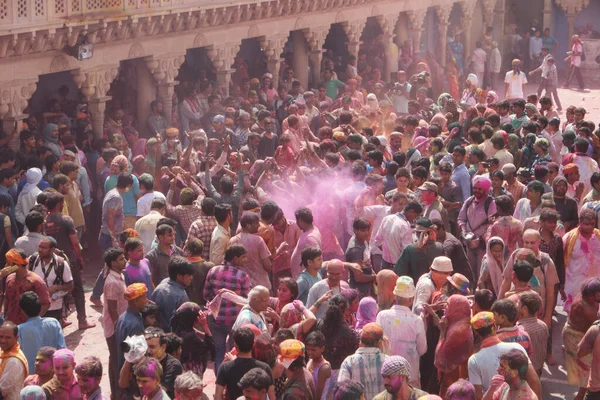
(405, 287)
(442, 264)
(509, 168)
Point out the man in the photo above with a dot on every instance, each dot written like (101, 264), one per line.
(582, 314)
(430, 200)
(221, 234)
(112, 212)
(511, 183)
(146, 225)
(160, 256)
(582, 249)
(530, 206)
(7, 183)
(546, 277)
(193, 252)
(259, 257)
(255, 384)
(148, 374)
(300, 383)
(312, 260)
(454, 250)
(395, 233)
(395, 373)
(157, 349)
(366, 363)
(474, 217)
(519, 118)
(204, 225)
(55, 272)
(331, 85)
(528, 306)
(37, 332)
(34, 221)
(511, 383)
(590, 345)
(43, 368)
(14, 364)
(311, 237)
(89, 376)
(130, 322)
(64, 385)
(23, 280)
(593, 195)
(417, 257)
(404, 329)
(157, 123)
(62, 229)
(114, 305)
(451, 196)
(514, 82)
(228, 276)
(333, 283)
(565, 205)
(256, 310)
(190, 386)
(230, 372)
(587, 165)
(144, 203)
(484, 364)
(460, 174)
(170, 292)
(575, 59)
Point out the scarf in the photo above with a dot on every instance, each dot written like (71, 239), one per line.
(494, 268)
(386, 282)
(48, 129)
(455, 348)
(366, 313)
(34, 176)
(16, 352)
(572, 239)
(490, 341)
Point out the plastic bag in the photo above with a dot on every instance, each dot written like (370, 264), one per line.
(134, 347)
(213, 306)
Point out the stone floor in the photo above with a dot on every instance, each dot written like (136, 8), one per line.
(91, 342)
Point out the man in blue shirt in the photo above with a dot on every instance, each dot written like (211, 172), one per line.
(460, 174)
(170, 293)
(37, 332)
(130, 323)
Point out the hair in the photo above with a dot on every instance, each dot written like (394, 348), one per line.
(158, 203)
(461, 389)
(151, 308)
(420, 172)
(235, 250)
(310, 253)
(250, 204)
(111, 255)
(59, 179)
(194, 246)
(413, 206)
(460, 150)
(587, 214)
(256, 378)
(187, 196)
(174, 342)
(315, 338)
(282, 335)
(536, 186)
(532, 301)
(244, 339)
(188, 381)
(581, 145)
(523, 270)
(124, 179)
(304, 214)
(179, 266)
(548, 214)
(505, 205)
(53, 199)
(361, 224)
(33, 220)
(517, 360)
(132, 244)
(291, 285)
(226, 184)
(348, 390)
(47, 352)
(30, 304)
(162, 229)
(249, 218)
(484, 298)
(221, 212)
(148, 367)
(590, 287)
(90, 367)
(507, 308)
(334, 316)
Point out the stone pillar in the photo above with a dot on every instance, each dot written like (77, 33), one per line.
(571, 9)
(547, 11)
(301, 57)
(443, 16)
(416, 18)
(224, 55)
(500, 25)
(571, 21)
(468, 7)
(353, 32)
(488, 13)
(146, 94)
(164, 69)
(273, 46)
(13, 101)
(388, 27)
(95, 84)
(315, 37)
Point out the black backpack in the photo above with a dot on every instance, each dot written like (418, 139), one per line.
(60, 268)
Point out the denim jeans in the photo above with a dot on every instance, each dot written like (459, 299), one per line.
(219, 333)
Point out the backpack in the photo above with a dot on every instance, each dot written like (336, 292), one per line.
(60, 268)
(486, 206)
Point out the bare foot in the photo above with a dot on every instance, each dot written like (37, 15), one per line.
(96, 302)
(86, 325)
(550, 360)
(64, 323)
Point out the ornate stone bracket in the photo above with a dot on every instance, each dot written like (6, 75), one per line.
(443, 16)
(95, 82)
(225, 53)
(273, 45)
(572, 6)
(416, 19)
(164, 68)
(14, 96)
(488, 11)
(354, 29)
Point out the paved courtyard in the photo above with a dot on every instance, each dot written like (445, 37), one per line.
(91, 342)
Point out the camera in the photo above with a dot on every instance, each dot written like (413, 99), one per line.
(421, 77)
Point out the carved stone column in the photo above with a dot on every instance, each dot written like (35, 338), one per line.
(164, 69)
(468, 7)
(547, 11)
(301, 57)
(315, 37)
(273, 46)
(388, 28)
(14, 96)
(571, 9)
(488, 12)
(416, 18)
(443, 16)
(225, 53)
(353, 32)
(500, 25)
(95, 83)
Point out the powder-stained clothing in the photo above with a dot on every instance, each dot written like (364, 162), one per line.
(364, 366)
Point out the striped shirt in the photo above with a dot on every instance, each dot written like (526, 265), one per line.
(516, 334)
(229, 277)
(364, 366)
(538, 333)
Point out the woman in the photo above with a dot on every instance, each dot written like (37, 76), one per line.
(492, 266)
(366, 313)
(340, 339)
(198, 347)
(455, 344)
(266, 350)
(267, 93)
(297, 318)
(352, 296)
(287, 291)
(386, 282)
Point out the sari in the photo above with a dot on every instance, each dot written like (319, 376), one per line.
(386, 282)
(491, 270)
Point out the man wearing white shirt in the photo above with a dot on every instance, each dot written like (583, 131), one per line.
(219, 240)
(146, 226)
(395, 233)
(333, 283)
(146, 182)
(515, 81)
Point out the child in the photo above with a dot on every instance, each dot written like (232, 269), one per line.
(317, 365)
(528, 306)
(375, 160)
(150, 315)
(284, 155)
(505, 315)
(138, 267)
(358, 252)
(6, 238)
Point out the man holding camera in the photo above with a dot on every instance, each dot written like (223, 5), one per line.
(401, 93)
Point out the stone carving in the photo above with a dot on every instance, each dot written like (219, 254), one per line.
(136, 51)
(98, 80)
(164, 68)
(315, 37)
(59, 63)
(572, 6)
(225, 55)
(15, 95)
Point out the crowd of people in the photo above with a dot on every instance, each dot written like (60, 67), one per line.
(355, 241)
